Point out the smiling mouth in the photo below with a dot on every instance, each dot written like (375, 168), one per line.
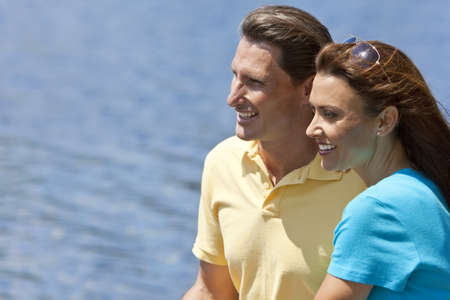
(247, 115)
(244, 117)
(326, 148)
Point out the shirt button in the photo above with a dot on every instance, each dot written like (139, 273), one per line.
(266, 185)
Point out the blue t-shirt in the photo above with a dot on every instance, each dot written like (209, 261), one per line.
(396, 236)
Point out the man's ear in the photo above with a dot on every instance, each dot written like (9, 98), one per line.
(387, 120)
(306, 87)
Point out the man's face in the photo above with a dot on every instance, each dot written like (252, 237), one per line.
(267, 103)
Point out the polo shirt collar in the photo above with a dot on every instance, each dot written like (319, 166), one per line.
(312, 171)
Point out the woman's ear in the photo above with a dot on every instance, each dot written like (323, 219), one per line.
(387, 120)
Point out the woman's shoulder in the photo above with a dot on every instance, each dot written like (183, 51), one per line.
(406, 192)
(403, 187)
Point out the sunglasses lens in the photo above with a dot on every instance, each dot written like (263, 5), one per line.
(350, 40)
(364, 55)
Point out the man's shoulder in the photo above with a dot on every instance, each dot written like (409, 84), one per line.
(351, 177)
(227, 156)
(229, 147)
(352, 184)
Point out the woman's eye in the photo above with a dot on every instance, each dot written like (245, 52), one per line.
(329, 114)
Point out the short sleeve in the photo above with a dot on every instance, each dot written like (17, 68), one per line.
(208, 244)
(372, 246)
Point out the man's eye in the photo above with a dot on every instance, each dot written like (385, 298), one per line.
(251, 81)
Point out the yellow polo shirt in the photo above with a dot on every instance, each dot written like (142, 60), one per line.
(275, 240)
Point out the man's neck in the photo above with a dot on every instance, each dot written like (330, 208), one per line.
(283, 156)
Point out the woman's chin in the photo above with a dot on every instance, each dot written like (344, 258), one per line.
(328, 166)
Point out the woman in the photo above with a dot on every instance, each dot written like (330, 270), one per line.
(373, 112)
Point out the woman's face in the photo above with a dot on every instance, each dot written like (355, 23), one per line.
(345, 135)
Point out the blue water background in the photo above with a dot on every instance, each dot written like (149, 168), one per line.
(107, 110)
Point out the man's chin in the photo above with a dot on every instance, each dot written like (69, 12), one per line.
(246, 132)
(244, 137)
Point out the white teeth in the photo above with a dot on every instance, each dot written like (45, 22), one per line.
(247, 115)
(325, 147)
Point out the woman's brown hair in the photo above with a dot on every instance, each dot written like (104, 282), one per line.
(395, 80)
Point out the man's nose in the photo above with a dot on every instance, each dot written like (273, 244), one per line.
(237, 91)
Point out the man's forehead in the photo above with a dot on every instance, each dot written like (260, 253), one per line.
(254, 55)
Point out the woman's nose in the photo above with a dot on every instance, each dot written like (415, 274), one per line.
(313, 130)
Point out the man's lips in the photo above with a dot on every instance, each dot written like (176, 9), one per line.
(244, 117)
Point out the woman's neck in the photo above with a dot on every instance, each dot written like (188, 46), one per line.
(389, 157)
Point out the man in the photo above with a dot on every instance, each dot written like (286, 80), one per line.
(267, 209)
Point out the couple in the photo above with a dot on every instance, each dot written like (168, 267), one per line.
(272, 223)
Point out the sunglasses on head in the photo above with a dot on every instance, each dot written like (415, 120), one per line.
(363, 54)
